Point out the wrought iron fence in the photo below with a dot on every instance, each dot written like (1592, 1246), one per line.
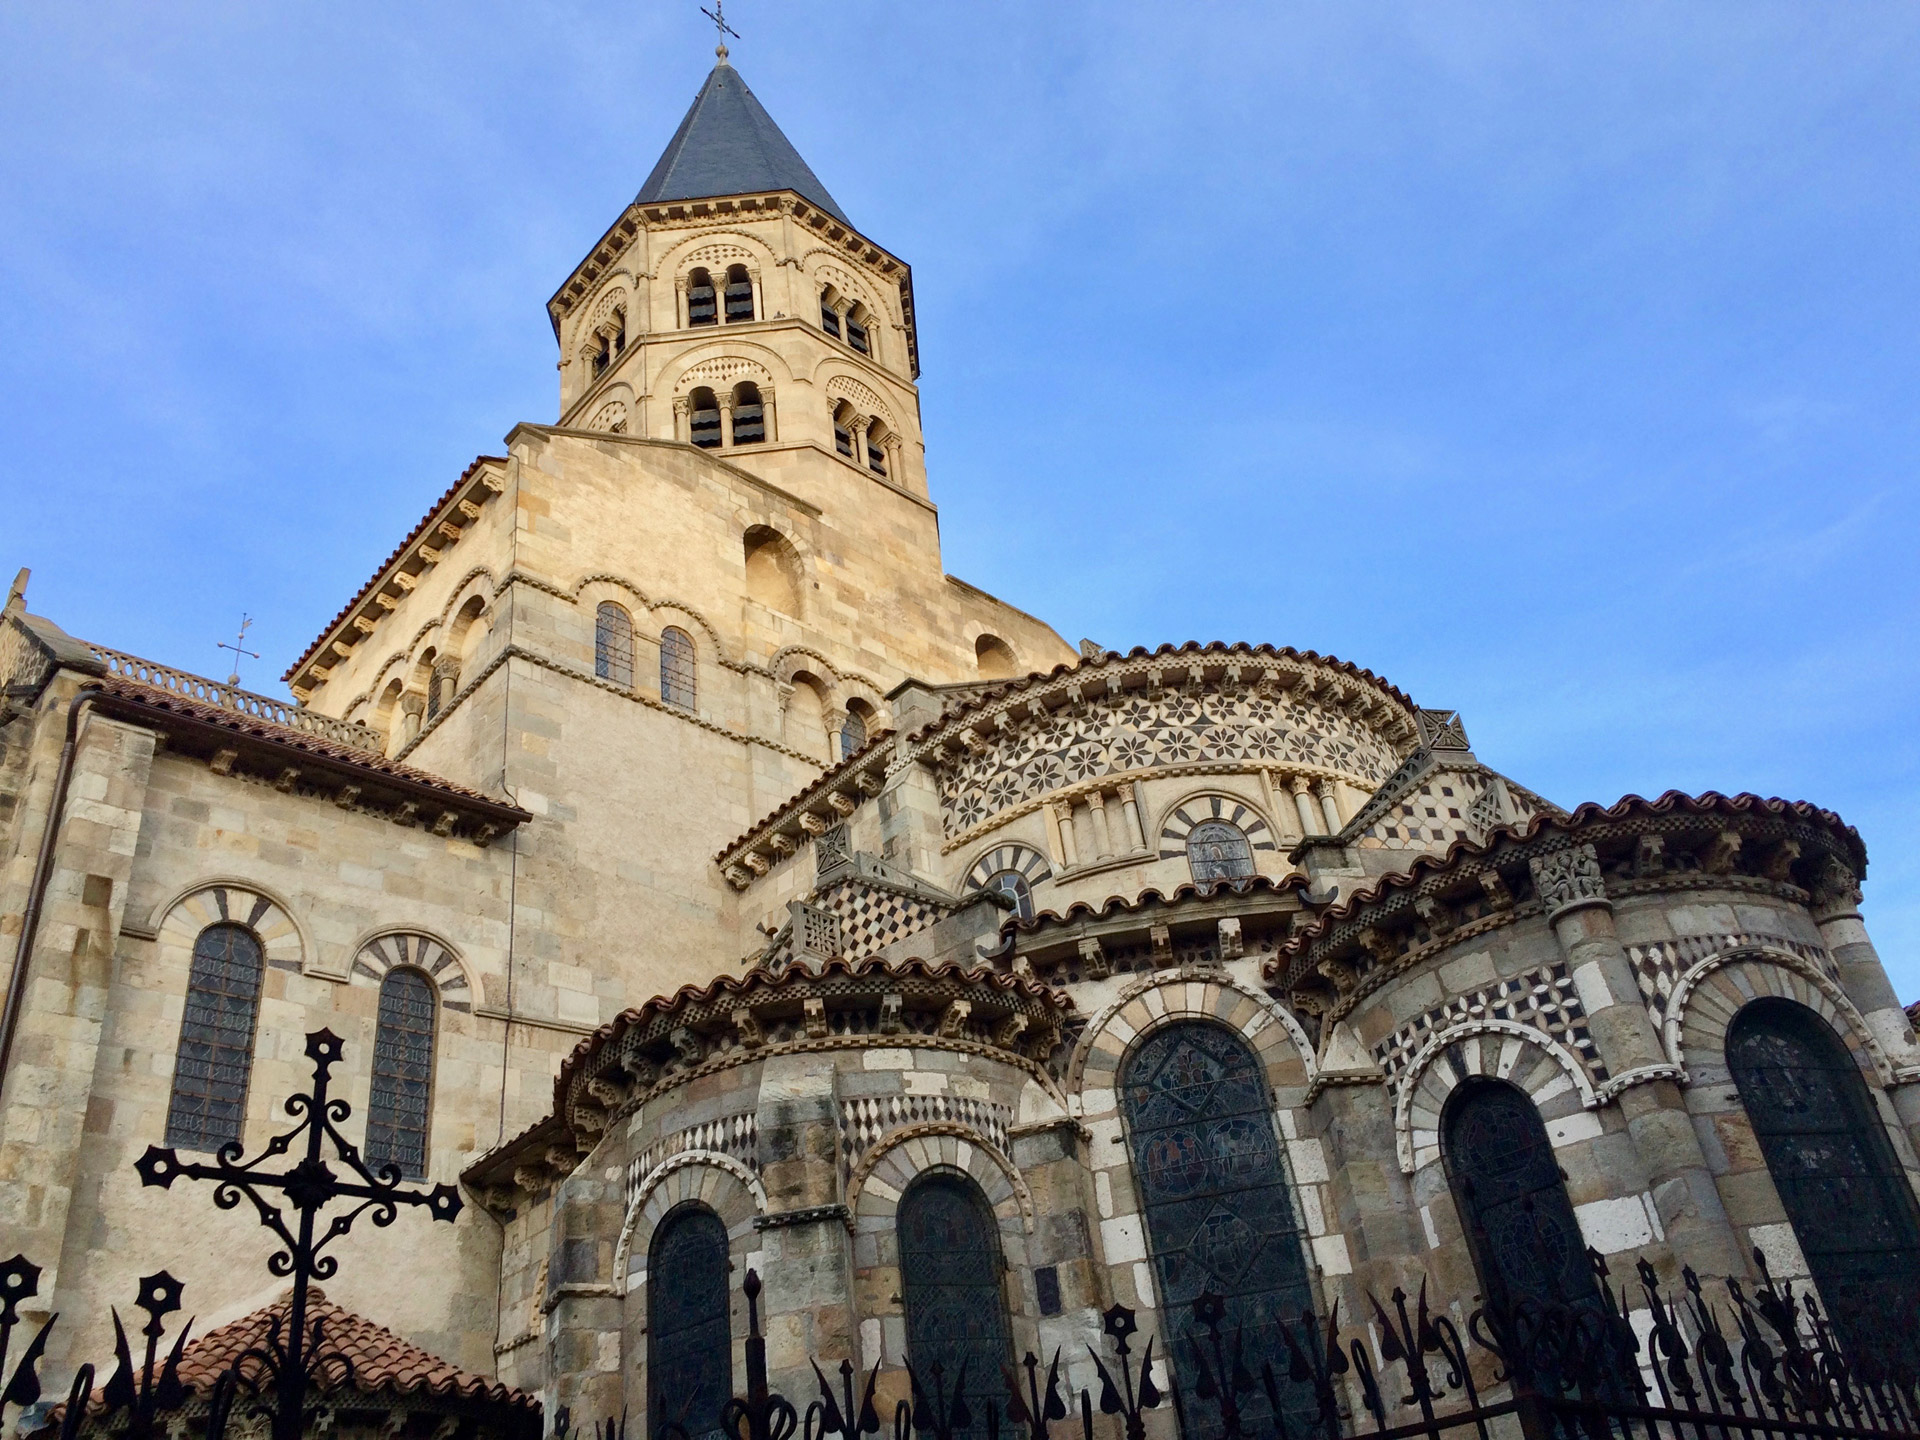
(1762, 1363)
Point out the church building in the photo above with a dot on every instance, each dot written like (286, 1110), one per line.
(704, 881)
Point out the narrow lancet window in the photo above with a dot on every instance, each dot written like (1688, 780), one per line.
(613, 645)
(701, 307)
(950, 1283)
(689, 1344)
(676, 667)
(1838, 1177)
(703, 419)
(749, 415)
(215, 1054)
(397, 1109)
(739, 295)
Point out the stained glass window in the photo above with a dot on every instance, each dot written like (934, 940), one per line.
(1512, 1196)
(1220, 1215)
(402, 1074)
(676, 667)
(950, 1281)
(1217, 850)
(689, 1346)
(215, 1055)
(1841, 1185)
(613, 644)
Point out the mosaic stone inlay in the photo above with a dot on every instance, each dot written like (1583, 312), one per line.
(1543, 998)
(1118, 734)
(1658, 967)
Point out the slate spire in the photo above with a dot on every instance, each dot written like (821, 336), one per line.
(729, 145)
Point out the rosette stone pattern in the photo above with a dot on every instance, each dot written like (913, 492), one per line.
(707, 881)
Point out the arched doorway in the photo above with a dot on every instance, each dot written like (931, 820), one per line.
(1220, 1215)
(950, 1283)
(1841, 1184)
(689, 1344)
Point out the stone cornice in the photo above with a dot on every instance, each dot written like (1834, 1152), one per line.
(1312, 678)
(825, 802)
(1714, 842)
(700, 214)
(736, 1020)
(424, 547)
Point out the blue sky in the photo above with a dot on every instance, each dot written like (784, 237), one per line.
(1556, 362)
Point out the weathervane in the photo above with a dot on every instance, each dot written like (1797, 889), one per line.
(246, 623)
(718, 15)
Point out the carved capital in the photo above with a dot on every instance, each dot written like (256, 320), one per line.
(1569, 879)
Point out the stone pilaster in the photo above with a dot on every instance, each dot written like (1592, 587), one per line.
(1573, 890)
(1836, 910)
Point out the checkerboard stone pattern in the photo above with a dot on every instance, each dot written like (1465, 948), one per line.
(872, 917)
(736, 1136)
(1658, 966)
(1543, 999)
(864, 1121)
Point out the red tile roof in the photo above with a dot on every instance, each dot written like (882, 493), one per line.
(383, 1363)
(132, 695)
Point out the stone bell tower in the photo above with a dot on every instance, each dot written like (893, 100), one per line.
(734, 306)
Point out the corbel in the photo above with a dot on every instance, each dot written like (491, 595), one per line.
(1493, 887)
(222, 762)
(387, 602)
(781, 843)
(444, 825)
(747, 1027)
(953, 1020)
(1721, 853)
(405, 581)
(1008, 1032)
(1650, 856)
(814, 1017)
(364, 625)
(346, 795)
(469, 509)
(892, 1016)
(1438, 916)
(405, 811)
(1094, 958)
(1779, 863)
(495, 482)
(428, 554)
(285, 781)
(451, 531)
(1161, 938)
(1232, 946)
(756, 862)
(840, 804)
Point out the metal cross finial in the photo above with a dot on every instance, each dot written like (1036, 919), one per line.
(309, 1187)
(718, 15)
(239, 643)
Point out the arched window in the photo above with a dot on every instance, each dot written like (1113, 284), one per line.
(1840, 1182)
(1220, 1215)
(676, 667)
(950, 1282)
(843, 429)
(853, 732)
(215, 1055)
(689, 1345)
(829, 314)
(1217, 850)
(994, 658)
(1512, 1198)
(1013, 885)
(703, 419)
(701, 309)
(877, 437)
(739, 296)
(749, 416)
(402, 1074)
(613, 644)
(857, 328)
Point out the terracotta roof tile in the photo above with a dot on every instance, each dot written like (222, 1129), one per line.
(383, 1362)
(151, 698)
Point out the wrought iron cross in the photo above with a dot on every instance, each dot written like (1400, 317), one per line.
(308, 1188)
(718, 15)
(239, 641)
